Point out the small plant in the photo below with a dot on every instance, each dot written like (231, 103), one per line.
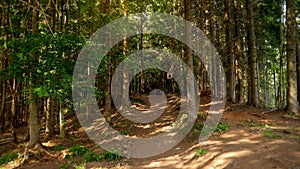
(251, 123)
(58, 148)
(201, 115)
(270, 133)
(78, 150)
(200, 152)
(72, 138)
(66, 165)
(8, 158)
(81, 166)
(117, 126)
(113, 155)
(198, 126)
(125, 132)
(91, 156)
(221, 127)
(198, 132)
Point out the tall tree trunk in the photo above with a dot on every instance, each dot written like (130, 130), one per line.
(298, 66)
(34, 130)
(292, 99)
(4, 24)
(229, 54)
(279, 98)
(254, 101)
(188, 54)
(124, 77)
(237, 52)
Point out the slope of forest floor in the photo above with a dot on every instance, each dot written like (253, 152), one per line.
(254, 139)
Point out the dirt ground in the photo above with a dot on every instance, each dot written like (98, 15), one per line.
(254, 139)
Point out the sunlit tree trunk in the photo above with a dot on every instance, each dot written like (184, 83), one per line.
(49, 117)
(292, 99)
(13, 109)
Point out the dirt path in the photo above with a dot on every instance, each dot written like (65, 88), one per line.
(252, 141)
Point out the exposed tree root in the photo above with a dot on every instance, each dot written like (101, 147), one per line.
(37, 151)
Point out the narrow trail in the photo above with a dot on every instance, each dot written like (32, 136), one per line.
(253, 140)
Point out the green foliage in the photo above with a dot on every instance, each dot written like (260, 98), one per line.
(91, 156)
(251, 123)
(58, 148)
(113, 155)
(117, 126)
(78, 150)
(46, 60)
(8, 157)
(81, 166)
(197, 132)
(198, 126)
(221, 127)
(200, 152)
(265, 128)
(201, 115)
(125, 132)
(205, 129)
(66, 165)
(270, 133)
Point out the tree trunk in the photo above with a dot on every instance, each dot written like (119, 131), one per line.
(61, 120)
(188, 54)
(237, 52)
(34, 129)
(229, 54)
(254, 101)
(13, 110)
(292, 99)
(49, 118)
(124, 73)
(279, 98)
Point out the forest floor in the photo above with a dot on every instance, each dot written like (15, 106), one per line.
(254, 139)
